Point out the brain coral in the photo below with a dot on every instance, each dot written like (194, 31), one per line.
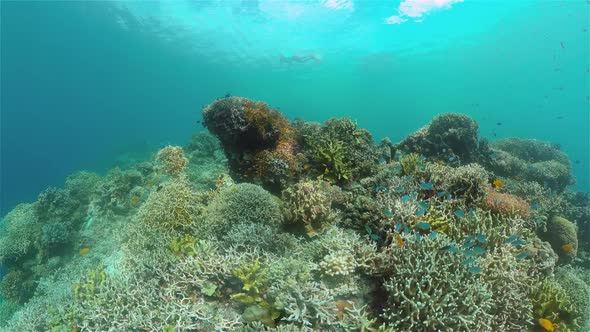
(562, 235)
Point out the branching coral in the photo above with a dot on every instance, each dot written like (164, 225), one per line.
(432, 290)
(309, 204)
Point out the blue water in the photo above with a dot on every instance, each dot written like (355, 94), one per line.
(87, 84)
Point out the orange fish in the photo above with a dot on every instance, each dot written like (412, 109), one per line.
(497, 183)
(546, 325)
(400, 240)
(134, 201)
(567, 247)
(84, 251)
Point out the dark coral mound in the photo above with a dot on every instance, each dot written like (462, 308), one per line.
(258, 141)
(448, 137)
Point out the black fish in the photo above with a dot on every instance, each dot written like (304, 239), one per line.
(498, 123)
(577, 161)
(559, 117)
(562, 46)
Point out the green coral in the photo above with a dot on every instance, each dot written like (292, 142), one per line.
(255, 284)
(411, 164)
(550, 301)
(88, 287)
(184, 246)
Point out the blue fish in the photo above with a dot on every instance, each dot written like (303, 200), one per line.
(424, 226)
(426, 185)
(398, 155)
(452, 158)
(368, 229)
(406, 230)
(399, 189)
(478, 251)
(397, 227)
(481, 238)
(421, 158)
(424, 205)
(382, 160)
(459, 213)
(474, 269)
(405, 198)
(409, 179)
(469, 253)
(493, 155)
(453, 249)
(375, 236)
(515, 240)
(432, 235)
(420, 212)
(471, 213)
(441, 194)
(388, 213)
(397, 168)
(418, 237)
(523, 255)
(468, 261)
(535, 206)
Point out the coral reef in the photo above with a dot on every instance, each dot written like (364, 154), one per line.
(323, 230)
(448, 137)
(531, 160)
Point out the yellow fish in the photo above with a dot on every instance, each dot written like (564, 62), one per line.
(306, 167)
(134, 201)
(546, 325)
(400, 240)
(497, 183)
(567, 247)
(84, 251)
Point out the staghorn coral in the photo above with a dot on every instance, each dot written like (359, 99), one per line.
(338, 263)
(562, 232)
(506, 204)
(172, 160)
(309, 204)
(430, 290)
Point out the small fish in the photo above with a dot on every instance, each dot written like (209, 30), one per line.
(134, 201)
(397, 227)
(84, 251)
(326, 171)
(424, 205)
(452, 158)
(459, 213)
(546, 324)
(409, 179)
(368, 229)
(406, 230)
(382, 160)
(399, 189)
(388, 212)
(522, 255)
(418, 237)
(577, 161)
(497, 183)
(471, 213)
(567, 247)
(515, 240)
(474, 269)
(426, 185)
(306, 167)
(375, 237)
(432, 235)
(420, 212)
(400, 240)
(493, 155)
(479, 251)
(450, 248)
(405, 198)
(441, 194)
(421, 158)
(469, 253)
(535, 206)
(468, 261)
(562, 45)
(481, 238)
(498, 123)
(424, 226)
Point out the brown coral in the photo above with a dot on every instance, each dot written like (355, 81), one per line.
(172, 159)
(506, 204)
